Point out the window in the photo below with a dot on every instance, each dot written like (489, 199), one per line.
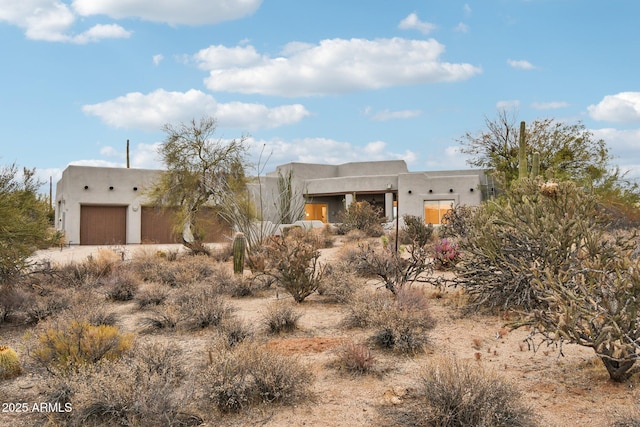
(434, 210)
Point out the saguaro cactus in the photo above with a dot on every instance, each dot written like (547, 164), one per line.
(522, 152)
(535, 165)
(239, 247)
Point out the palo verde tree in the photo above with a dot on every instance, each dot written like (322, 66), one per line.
(24, 222)
(566, 151)
(200, 171)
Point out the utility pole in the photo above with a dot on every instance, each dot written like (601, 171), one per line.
(127, 154)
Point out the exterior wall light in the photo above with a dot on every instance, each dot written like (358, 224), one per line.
(471, 189)
(409, 191)
(111, 188)
(136, 189)
(86, 187)
(451, 190)
(430, 191)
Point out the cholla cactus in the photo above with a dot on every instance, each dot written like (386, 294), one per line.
(9, 363)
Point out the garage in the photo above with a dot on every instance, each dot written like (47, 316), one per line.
(157, 226)
(103, 225)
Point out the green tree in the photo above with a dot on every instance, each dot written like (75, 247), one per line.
(24, 220)
(200, 172)
(567, 151)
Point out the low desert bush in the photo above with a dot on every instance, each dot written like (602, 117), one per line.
(121, 285)
(144, 388)
(400, 322)
(234, 331)
(454, 394)
(68, 345)
(152, 296)
(247, 374)
(44, 304)
(164, 316)
(403, 323)
(339, 283)
(202, 307)
(355, 357)
(281, 317)
(12, 300)
(9, 363)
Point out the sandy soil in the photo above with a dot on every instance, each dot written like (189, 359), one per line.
(573, 390)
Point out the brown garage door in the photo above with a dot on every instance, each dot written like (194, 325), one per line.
(103, 225)
(157, 226)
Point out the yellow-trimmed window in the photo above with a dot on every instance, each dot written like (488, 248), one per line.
(434, 210)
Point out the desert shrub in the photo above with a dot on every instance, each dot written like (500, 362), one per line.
(9, 363)
(202, 307)
(626, 421)
(364, 307)
(85, 306)
(165, 316)
(417, 232)
(361, 216)
(121, 285)
(356, 358)
(293, 261)
(12, 300)
(235, 285)
(339, 283)
(146, 387)
(246, 375)
(281, 317)
(153, 296)
(354, 235)
(453, 394)
(222, 253)
(67, 346)
(446, 254)
(44, 304)
(234, 331)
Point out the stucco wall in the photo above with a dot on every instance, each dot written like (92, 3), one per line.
(128, 186)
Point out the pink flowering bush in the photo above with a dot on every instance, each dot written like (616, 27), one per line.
(446, 254)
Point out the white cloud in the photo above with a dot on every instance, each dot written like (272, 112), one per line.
(467, 9)
(412, 22)
(521, 64)
(157, 59)
(624, 148)
(507, 104)
(447, 158)
(52, 20)
(623, 107)
(549, 105)
(332, 67)
(218, 57)
(189, 12)
(385, 115)
(461, 28)
(151, 111)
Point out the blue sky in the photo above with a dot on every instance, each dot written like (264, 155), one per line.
(322, 81)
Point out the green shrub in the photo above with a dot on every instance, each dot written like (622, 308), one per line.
(70, 345)
(361, 216)
(9, 363)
